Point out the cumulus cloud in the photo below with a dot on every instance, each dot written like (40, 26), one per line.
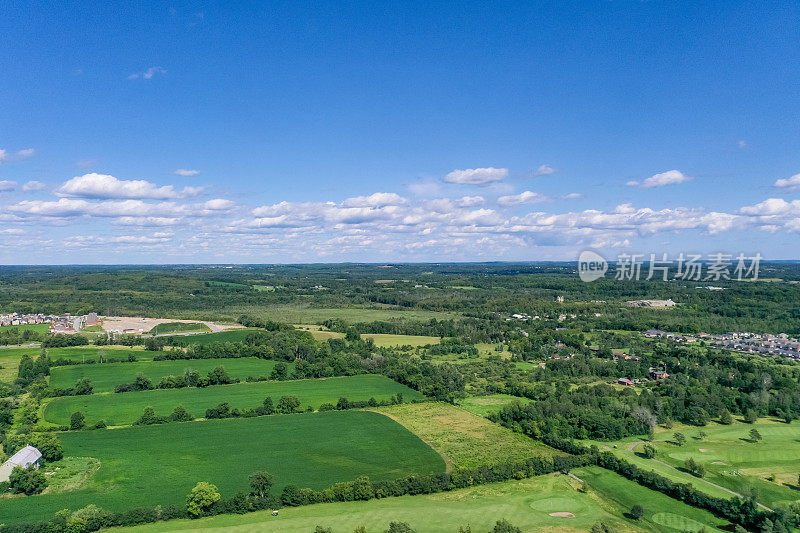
(34, 185)
(525, 197)
(104, 186)
(378, 199)
(185, 172)
(790, 183)
(669, 177)
(7, 185)
(572, 196)
(147, 74)
(477, 176)
(470, 201)
(219, 204)
(544, 170)
(773, 206)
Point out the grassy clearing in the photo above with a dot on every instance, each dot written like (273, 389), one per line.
(319, 332)
(483, 405)
(10, 357)
(178, 327)
(521, 502)
(730, 459)
(125, 408)
(146, 466)
(661, 513)
(463, 439)
(385, 340)
(105, 377)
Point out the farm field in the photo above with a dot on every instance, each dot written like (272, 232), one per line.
(105, 377)
(730, 459)
(527, 504)
(309, 450)
(297, 314)
(125, 408)
(9, 357)
(382, 340)
(483, 405)
(463, 438)
(319, 333)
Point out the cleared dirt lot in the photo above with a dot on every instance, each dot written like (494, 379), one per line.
(142, 325)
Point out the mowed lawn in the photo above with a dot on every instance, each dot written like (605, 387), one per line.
(385, 340)
(465, 440)
(125, 408)
(526, 503)
(730, 459)
(105, 377)
(158, 465)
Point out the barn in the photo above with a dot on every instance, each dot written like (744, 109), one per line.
(25, 457)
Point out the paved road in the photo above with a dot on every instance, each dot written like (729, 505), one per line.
(634, 444)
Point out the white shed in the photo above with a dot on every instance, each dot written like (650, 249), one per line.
(25, 457)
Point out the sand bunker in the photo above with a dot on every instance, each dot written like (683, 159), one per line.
(563, 515)
(703, 450)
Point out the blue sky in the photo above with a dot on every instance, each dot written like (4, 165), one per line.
(332, 131)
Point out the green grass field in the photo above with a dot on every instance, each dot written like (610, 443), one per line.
(527, 504)
(159, 464)
(386, 340)
(296, 314)
(105, 377)
(463, 439)
(125, 408)
(39, 328)
(730, 459)
(178, 327)
(483, 405)
(9, 357)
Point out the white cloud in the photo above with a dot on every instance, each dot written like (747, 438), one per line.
(470, 201)
(147, 74)
(773, 206)
(790, 183)
(525, 197)
(19, 155)
(742, 144)
(104, 186)
(476, 176)
(34, 185)
(219, 204)
(147, 221)
(572, 196)
(659, 180)
(185, 172)
(544, 170)
(378, 199)
(7, 185)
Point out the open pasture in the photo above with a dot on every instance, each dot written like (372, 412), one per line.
(483, 405)
(383, 340)
(463, 439)
(299, 314)
(105, 377)
(151, 465)
(234, 335)
(125, 408)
